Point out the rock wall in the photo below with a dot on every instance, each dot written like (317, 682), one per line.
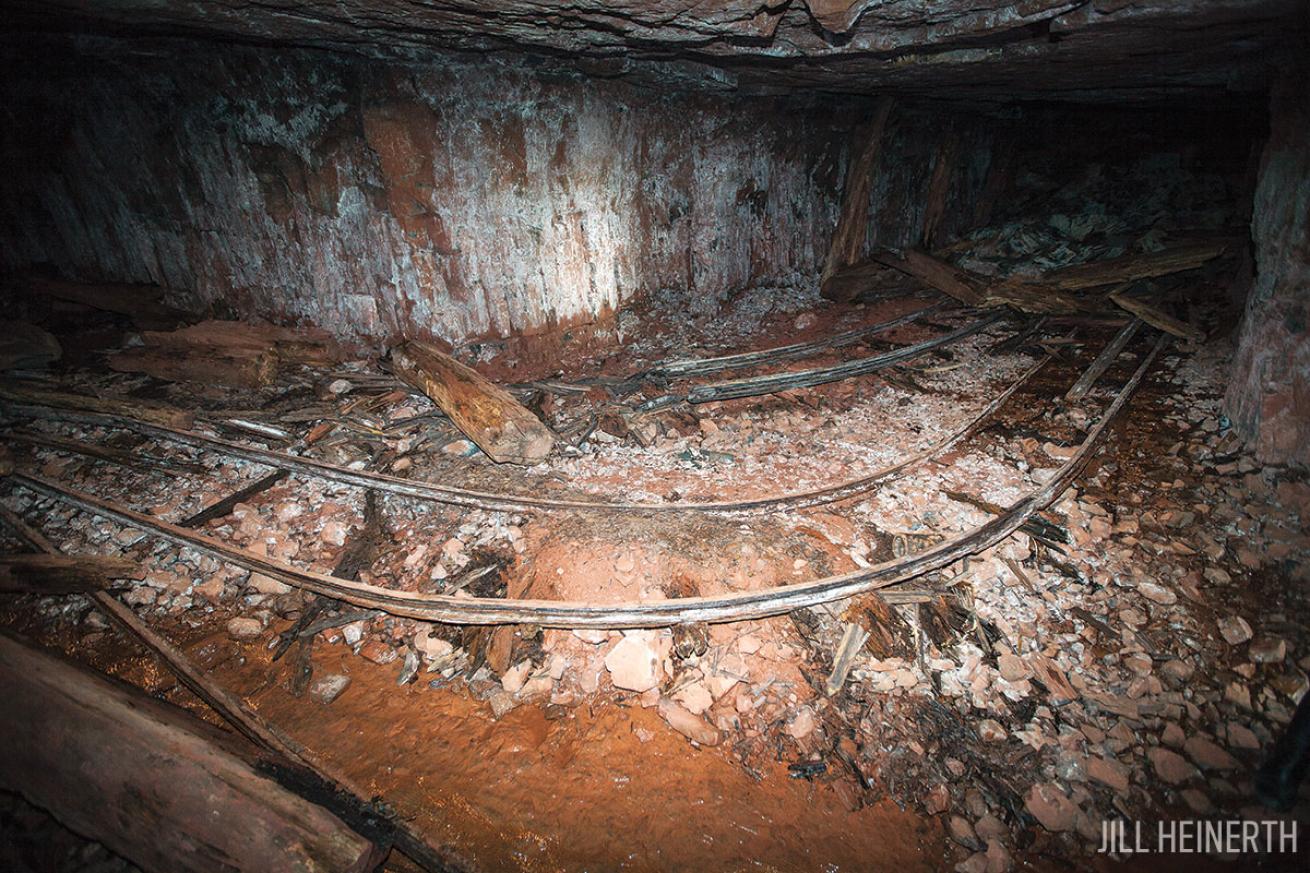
(1269, 396)
(377, 199)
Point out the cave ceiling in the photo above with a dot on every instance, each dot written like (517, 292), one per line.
(1112, 50)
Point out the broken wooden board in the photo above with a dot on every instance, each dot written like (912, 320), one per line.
(488, 414)
(947, 279)
(1103, 361)
(143, 410)
(852, 224)
(63, 574)
(239, 369)
(868, 281)
(1154, 316)
(1131, 267)
(150, 781)
(1032, 298)
(297, 345)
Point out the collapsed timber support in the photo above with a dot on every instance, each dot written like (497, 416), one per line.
(154, 784)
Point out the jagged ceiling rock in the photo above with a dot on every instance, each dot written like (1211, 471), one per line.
(1039, 49)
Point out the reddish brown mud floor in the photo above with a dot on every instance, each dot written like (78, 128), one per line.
(1176, 615)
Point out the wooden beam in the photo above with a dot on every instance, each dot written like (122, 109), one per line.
(62, 574)
(223, 507)
(300, 345)
(1103, 360)
(1154, 316)
(1131, 267)
(852, 224)
(488, 414)
(244, 719)
(234, 368)
(150, 781)
(145, 410)
(945, 278)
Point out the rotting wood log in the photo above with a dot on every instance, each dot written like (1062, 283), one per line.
(520, 502)
(223, 507)
(145, 410)
(108, 454)
(235, 369)
(297, 345)
(852, 223)
(1131, 267)
(1103, 361)
(62, 574)
(150, 781)
(500, 425)
(947, 279)
(737, 606)
(249, 723)
(773, 383)
(1154, 317)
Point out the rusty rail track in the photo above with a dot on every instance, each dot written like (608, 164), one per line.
(502, 501)
(722, 608)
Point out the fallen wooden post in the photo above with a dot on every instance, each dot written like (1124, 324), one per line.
(1103, 361)
(236, 369)
(500, 425)
(244, 719)
(145, 410)
(299, 345)
(1154, 317)
(152, 782)
(225, 506)
(1131, 267)
(62, 574)
(949, 280)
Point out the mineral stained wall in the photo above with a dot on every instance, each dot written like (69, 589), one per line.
(454, 199)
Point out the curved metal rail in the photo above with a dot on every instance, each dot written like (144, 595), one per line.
(721, 608)
(497, 501)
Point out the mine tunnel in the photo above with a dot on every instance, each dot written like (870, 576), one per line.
(829, 435)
